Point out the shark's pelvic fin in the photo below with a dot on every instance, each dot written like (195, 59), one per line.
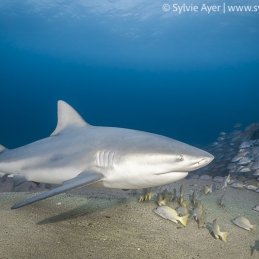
(2, 148)
(2, 175)
(18, 179)
(67, 117)
(84, 178)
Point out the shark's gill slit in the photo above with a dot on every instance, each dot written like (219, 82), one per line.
(97, 159)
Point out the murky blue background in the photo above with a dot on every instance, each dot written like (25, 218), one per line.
(127, 64)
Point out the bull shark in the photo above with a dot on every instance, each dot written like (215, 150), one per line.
(78, 154)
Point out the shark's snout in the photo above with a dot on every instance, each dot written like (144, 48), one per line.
(206, 160)
(209, 157)
(202, 161)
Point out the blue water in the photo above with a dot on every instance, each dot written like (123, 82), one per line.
(126, 64)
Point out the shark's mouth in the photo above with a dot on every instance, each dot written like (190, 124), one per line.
(199, 164)
(202, 161)
(191, 167)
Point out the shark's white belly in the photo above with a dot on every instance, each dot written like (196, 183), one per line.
(124, 181)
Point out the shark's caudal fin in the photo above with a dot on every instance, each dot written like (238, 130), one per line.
(67, 117)
(2, 149)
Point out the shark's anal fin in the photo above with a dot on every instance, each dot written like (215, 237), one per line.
(84, 178)
(18, 179)
(2, 175)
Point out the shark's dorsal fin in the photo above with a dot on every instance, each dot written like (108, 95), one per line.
(67, 117)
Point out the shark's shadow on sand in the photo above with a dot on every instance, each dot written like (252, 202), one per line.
(82, 211)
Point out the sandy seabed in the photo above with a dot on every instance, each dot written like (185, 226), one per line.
(105, 223)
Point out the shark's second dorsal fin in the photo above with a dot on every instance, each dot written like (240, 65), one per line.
(67, 117)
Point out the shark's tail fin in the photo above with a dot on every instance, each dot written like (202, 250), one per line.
(2, 148)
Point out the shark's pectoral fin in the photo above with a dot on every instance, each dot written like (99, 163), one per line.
(84, 178)
(18, 179)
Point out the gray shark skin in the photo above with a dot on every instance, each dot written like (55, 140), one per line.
(78, 154)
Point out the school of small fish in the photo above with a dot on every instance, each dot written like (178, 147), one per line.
(236, 157)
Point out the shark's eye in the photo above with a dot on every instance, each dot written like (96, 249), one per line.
(180, 158)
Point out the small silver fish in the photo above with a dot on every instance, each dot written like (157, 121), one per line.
(182, 210)
(244, 160)
(198, 214)
(217, 233)
(181, 200)
(251, 187)
(193, 198)
(171, 214)
(237, 185)
(181, 191)
(237, 125)
(236, 158)
(231, 166)
(244, 223)
(166, 194)
(254, 165)
(143, 195)
(246, 144)
(226, 180)
(173, 195)
(243, 169)
(222, 200)
(161, 200)
(233, 170)
(141, 198)
(244, 151)
(210, 189)
(149, 194)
